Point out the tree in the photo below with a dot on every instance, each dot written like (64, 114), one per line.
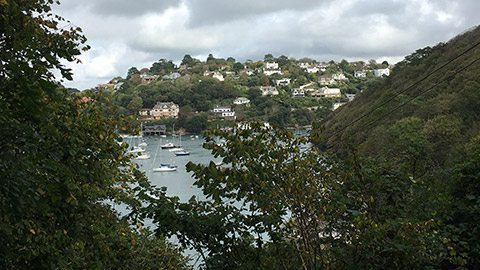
(268, 58)
(238, 66)
(132, 71)
(210, 58)
(273, 206)
(187, 60)
(135, 105)
(163, 66)
(60, 161)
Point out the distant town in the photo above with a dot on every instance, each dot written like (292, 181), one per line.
(282, 90)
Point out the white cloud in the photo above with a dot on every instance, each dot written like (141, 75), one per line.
(125, 33)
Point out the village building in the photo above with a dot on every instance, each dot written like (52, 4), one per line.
(326, 81)
(313, 69)
(172, 76)
(360, 74)
(381, 72)
(283, 81)
(327, 92)
(337, 105)
(241, 101)
(225, 111)
(154, 130)
(269, 91)
(339, 77)
(217, 75)
(221, 109)
(271, 65)
(165, 110)
(297, 92)
(148, 78)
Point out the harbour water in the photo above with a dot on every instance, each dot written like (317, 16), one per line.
(180, 182)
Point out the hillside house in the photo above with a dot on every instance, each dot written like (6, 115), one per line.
(339, 77)
(221, 109)
(327, 92)
(217, 75)
(271, 65)
(148, 78)
(381, 72)
(313, 69)
(360, 74)
(283, 81)
(337, 105)
(165, 110)
(172, 76)
(269, 91)
(225, 111)
(241, 101)
(297, 92)
(326, 81)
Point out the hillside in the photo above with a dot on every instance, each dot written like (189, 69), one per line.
(426, 111)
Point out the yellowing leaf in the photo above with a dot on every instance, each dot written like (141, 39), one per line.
(32, 231)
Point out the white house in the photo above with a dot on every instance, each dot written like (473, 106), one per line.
(313, 69)
(269, 72)
(337, 105)
(303, 65)
(229, 114)
(283, 81)
(381, 72)
(297, 92)
(241, 101)
(218, 76)
(222, 109)
(327, 92)
(360, 74)
(339, 77)
(269, 91)
(271, 65)
(326, 81)
(172, 76)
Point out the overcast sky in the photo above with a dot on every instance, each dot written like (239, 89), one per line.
(126, 33)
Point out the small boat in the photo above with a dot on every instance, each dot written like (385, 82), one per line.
(142, 144)
(176, 149)
(143, 156)
(165, 168)
(163, 136)
(182, 153)
(167, 145)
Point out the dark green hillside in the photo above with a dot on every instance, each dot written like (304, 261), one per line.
(424, 115)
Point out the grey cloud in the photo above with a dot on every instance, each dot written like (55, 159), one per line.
(124, 8)
(215, 11)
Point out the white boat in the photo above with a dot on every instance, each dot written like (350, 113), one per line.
(176, 149)
(143, 156)
(182, 153)
(136, 149)
(168, 146)
(165, 168)
(142, 144)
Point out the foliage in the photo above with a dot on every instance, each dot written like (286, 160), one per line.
(60, 162)
(273, 206)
